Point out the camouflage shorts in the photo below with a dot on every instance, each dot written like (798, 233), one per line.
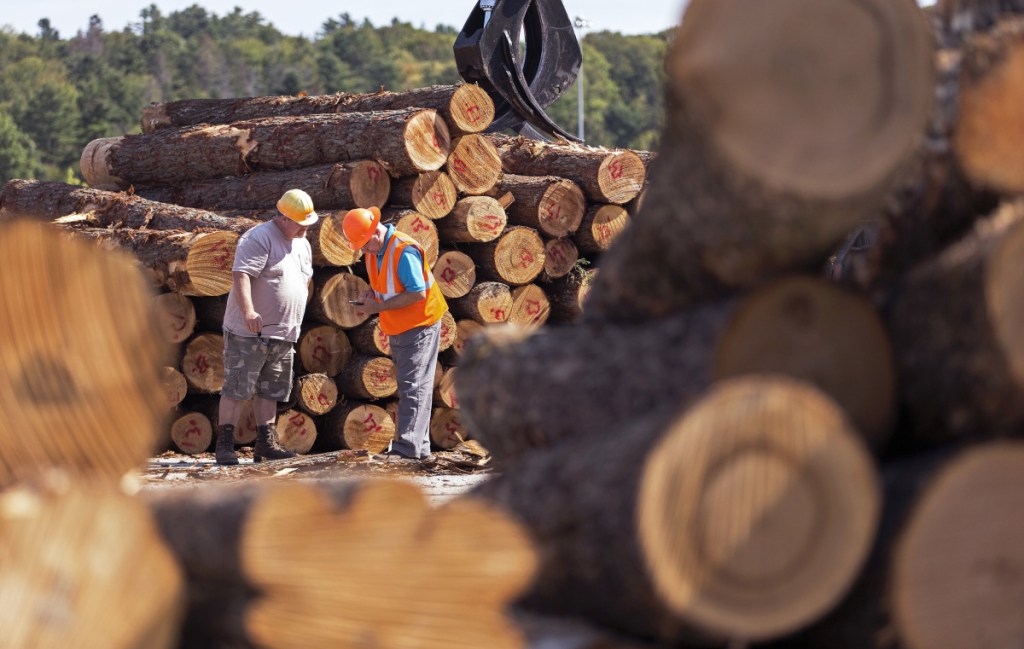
(256, 368)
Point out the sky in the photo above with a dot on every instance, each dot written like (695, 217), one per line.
(306, 16)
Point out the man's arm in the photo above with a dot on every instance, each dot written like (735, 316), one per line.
(399, 301)
(243, 293)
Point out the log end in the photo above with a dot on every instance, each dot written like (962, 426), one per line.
(332, 244)
(95, 166)
(325, 350)
(427, 141)
(621, 176)
(209, 263)
(833, 127)
(296, 431)
(471, 109)
(474, 164)
(155, 117)
(370, 184)
(757, 508)
(192, 433)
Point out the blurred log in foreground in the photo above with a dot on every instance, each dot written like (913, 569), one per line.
(80, 371)
(86, 568)
(745, 518)
(330, 569)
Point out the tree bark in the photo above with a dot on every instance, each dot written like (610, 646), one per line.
(344, 185)
(600, 227)
(475, 219)
(704, 526)
(465, 108)
(474, 164)
(106, 209)
(606, 176)
(554, 206)
(432, 194)
(740, 195)
(356, 426)
(956, 323)
(324, 349)
(567, 295)
(406, 142)
(486, 303)
(368, 377)
(80, 380)
(574, 382)
(516, 257)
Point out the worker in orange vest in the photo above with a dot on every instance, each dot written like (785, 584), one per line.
(410, 304)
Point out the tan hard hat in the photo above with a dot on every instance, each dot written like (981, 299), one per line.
(298, 206)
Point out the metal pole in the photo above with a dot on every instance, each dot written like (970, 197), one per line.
(581, 24)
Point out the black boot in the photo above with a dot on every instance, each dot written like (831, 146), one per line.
(267, 446)
(225, 451)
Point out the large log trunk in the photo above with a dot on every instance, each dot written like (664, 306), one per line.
(191, 263)
(320, 562)
(368, 377)
(324, 349)
(407, 142)
(605, 176)
(466, 108)
(105, 209)
(80, 385)
(600, 227)
(520, 392)
(739, 195)
(344, 185)
(356, 426)
(432, 194)
(516, 257)
(474, 165)
(555, 206)
(474, 219)
(717, 524)
(957, 327)
(86, 568)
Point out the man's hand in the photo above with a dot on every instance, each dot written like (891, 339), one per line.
(253, 322)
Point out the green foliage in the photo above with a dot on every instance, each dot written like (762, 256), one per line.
(57, 94)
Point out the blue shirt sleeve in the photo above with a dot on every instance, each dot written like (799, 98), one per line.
(410, 270)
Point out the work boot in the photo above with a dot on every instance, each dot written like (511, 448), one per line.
(267, 446)
(225, 451)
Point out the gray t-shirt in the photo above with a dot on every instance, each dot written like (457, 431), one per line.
(280, 269)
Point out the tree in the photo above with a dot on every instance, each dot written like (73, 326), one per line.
(17, 151)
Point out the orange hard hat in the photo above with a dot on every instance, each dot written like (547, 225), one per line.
(298, 206)
(359, 225)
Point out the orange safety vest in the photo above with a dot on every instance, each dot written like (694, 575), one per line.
(386, 283)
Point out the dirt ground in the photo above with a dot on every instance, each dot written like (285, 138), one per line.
(446, 475)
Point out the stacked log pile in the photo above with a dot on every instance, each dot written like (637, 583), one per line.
(504, 222)
(731, 449)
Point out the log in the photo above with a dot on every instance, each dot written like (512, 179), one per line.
(176, 315)
(417, 226)
(356, 426)
(432, 194)
(455, 273)
(446, 430)
(444, 392)
(51, 201)
(578, 381)
(474, 165)
(86, 567)
(702, 526)
(568, 294)
(600, 227)
(192, 433)
(315, 394)
(203, 363)
(333, 296)
(465, 108)
(449, 332)
(516, 257)
(369, 339)
(80, 379)
(368, 377)
(362, 183)
(560, 257)
(190, 263)
(530, 307)
(324, 349)
(987, 140)
(474, 219)
(605, 176)
(741, 195)
(554, 206)
(175, 387)
(406, 142)
(466, 329)
(486, 303)
(956, 324)
(296, 431)
(310, 553)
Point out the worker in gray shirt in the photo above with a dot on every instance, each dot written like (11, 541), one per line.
(271, 273)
